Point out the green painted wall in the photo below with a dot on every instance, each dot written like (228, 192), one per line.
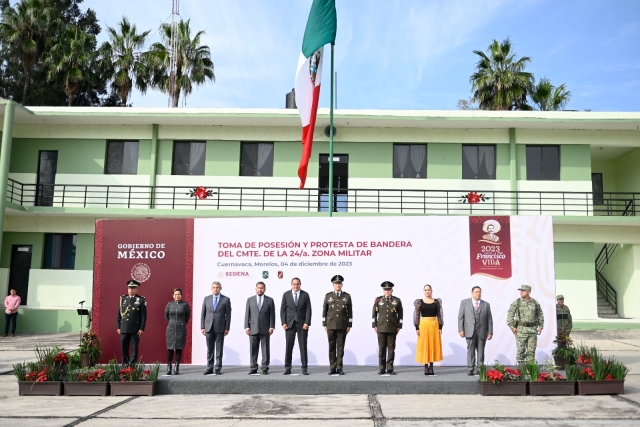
(34, 320)
(623, 274)
(521, 162)
(75, 156)
(502, 162)
(574, 261)
(286, 158)
(628, 172)
(84, 251)
(144, 157)
(165, 155)
(444, 161)
(608, 170)
(12, 238)
(575, 163)
(223, 158)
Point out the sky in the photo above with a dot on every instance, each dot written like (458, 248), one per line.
(401, 54)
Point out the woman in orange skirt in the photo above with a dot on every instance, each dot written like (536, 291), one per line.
(427, 319)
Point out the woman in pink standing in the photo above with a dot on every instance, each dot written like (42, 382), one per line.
(11, 304)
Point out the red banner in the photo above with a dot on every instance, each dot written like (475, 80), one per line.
(490, 246)
(157, 253)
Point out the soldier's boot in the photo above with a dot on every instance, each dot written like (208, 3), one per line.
(176, 371)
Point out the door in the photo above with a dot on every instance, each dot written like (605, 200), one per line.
(19, 272)
(47, 166)
(340, 182)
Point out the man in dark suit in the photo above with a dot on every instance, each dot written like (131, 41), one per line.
(132, 318)
(259, 323)
(215, 321)
(475, 323)
(295, 315)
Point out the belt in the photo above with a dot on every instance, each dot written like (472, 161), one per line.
(562, 316)
(529, 324)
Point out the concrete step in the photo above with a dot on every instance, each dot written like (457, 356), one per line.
(609, 316)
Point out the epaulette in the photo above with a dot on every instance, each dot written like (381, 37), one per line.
(122, 296)
(140, 296)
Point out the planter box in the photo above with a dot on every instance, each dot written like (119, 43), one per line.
(552, 388)
(75, 388)
(47, 388)
(133, 388)
(505, 388)
(600, 387)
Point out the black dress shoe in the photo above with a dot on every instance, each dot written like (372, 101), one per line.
(208, 372)
(391, 372)
(218, 372)
(287, 372)
(470, 373)
(169, 370)
(265, 372)
(341, 372)
(304, 371)
(176, 369)
(381, 372)
(253, 372)
(332, 372)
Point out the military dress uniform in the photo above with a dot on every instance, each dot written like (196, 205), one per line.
(337, 317)
(526, 317)
(387, 317)
(132, 317)
(563, 316)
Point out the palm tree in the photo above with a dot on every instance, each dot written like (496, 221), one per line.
(72, 57)
(121, 58)
(194, 65)
(24, 29)
(500, 82)
(547, 97)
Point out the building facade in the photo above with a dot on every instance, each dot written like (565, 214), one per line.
(63, 168)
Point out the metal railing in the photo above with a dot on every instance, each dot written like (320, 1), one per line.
(441, 202)
(607, 290)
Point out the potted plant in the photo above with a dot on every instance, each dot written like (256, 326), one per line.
(136, 380)
(501, 381)
(585, 355)
(603, 377)
(37, 379)
(87, 382)
(90, 349)
(564, 354)
(548, 382)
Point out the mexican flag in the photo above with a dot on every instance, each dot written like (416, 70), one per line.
(321, 29)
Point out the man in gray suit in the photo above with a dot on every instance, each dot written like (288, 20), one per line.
(295, 315)
(259, 323)
(475, 323)
(215, 321)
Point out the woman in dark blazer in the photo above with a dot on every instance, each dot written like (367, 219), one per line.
(177, 313)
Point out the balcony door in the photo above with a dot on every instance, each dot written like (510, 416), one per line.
(19, 271)
(47, 166)
(340, 182)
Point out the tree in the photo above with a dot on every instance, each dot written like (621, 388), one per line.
(194, 64)
(72, 58)
(500, 81)
(548, 97)
(123, 61)
(24, 29)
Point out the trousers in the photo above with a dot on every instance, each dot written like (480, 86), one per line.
(337, 338)
(127, 340)
(526, 344)
(386, 350)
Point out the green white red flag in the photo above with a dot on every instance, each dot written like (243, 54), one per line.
(321, 29)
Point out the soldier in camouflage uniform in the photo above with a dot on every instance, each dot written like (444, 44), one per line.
(526, 320)
(387, 322)
(337, 318)
(563, 315)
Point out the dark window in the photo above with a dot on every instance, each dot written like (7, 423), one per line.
(188, 158)
(59, 251)
(256, 159)
(409, 161)
(597, 188)
(543, 163)
(478, 162)
(122, 157)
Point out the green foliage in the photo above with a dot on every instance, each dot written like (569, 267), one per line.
(482, 372)
(90, 344)
(548, 97)
(572, 372)
(532, 369)
(20, 371)
(618, 370)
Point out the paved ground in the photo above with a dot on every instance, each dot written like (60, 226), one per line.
(336, 410)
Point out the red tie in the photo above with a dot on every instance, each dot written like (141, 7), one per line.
(476, 305)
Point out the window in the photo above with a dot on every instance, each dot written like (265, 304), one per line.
(256, 159)
(597, 188)
(122, 157)
(478, 162)
(543, 163)
(59, 251)
(409, 161)
(188, 158)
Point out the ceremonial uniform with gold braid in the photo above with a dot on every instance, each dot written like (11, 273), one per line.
(132, 317)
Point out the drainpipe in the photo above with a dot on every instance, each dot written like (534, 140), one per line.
(154, 165)
(5, 158)
(513, 166)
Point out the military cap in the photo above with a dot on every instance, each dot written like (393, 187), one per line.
(133, 283)
(560, 297)
(524, 288)
(387, 285)
(337, 278)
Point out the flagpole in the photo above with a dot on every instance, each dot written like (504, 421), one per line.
(331, 139)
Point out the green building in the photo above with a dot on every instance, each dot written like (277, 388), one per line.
(63, 168)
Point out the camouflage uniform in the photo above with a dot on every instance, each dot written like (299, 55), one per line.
(529, 316)
(565, 323)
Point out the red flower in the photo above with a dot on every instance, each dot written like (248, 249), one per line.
(588, 373)
(609, 377)
(473, 198)
(495, 376)
(584, 359)
(61, 358)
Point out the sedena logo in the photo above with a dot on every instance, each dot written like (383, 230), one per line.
(237, 274)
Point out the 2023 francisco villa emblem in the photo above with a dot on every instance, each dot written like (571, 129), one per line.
(141, 272)
(490, 245)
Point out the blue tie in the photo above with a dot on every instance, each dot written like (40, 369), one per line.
(215, 303)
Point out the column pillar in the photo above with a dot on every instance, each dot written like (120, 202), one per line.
(513, 169)
(154, 165)
(5, 159)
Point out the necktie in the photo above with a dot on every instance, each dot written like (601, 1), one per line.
(476, 305)
(259, 303)
(337, 294)
(388, 300)
(295, 298)
(215, 303)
